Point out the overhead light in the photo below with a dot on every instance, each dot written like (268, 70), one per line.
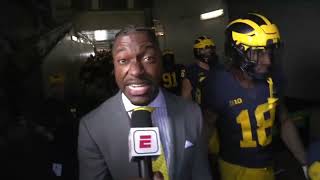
(100, 35)
(159, 33)
(212, 14)
(158, 27)
(74, 38)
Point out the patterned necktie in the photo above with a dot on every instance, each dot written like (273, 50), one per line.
(159, 165)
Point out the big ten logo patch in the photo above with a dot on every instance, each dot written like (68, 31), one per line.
(235, 102)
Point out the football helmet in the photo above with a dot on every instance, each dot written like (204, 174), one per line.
(204, 49)
(247, 38)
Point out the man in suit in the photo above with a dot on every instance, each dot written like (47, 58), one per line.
(103, 133)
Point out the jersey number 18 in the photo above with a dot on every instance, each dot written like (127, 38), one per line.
(262, 123)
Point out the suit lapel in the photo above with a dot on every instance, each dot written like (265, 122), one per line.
(120, 129)
(178, 135)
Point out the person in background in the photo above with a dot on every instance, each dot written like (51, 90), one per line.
(204, 51)
(314, 161)
(206, 59)
(173, 73)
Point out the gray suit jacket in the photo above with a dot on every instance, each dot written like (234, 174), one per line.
(103, 142)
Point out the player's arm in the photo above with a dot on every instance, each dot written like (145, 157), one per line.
(186, 89)
(290, 136)
(210, 114)
(210, 119)
(186, 86)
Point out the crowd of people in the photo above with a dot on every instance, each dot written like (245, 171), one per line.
(96, 80)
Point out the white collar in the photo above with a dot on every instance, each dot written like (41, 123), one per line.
(158, 102)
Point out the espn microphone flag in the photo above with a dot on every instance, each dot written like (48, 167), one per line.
(144, 141)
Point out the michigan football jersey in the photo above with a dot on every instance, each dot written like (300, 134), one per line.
(246, 118)
(314, 160)
(196, 76)
(172, 79)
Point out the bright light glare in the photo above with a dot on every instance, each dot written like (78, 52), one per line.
(74, 38)
(100, 35)
(212, 14)
(160, 33)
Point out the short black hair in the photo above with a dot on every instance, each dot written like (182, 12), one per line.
(132, 28)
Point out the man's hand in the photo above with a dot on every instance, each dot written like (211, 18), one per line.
(158, 176)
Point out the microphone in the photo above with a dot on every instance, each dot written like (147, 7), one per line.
(144, 141)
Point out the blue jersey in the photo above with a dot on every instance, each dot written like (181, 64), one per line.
(246, 118)
(172, 78)
(313, 153)
(196, 76)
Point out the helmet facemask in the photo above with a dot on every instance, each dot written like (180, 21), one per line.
(206, 55)
(257, 62)
(204, 50)
(252, 43)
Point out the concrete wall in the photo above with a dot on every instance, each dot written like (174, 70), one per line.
(66, 58)
(299, 28)
(181, 20)
(95, 20)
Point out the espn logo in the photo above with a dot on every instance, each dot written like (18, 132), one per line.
(144, 142)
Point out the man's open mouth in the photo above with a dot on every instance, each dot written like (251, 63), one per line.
(138, 89)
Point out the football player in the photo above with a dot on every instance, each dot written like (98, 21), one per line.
(173, 73)
(245, 97)
(204, 51)
(314, 161)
